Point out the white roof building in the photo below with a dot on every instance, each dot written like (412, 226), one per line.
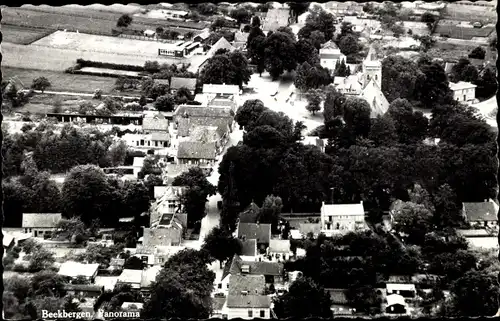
(342, 218)
(394, 299)
(76, 269)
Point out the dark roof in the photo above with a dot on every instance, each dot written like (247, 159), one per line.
(218, 303)
(161, 236)
(84, 287)
(251, 214)
(46, 220)
(248, 301)
(222, 123)
(260, 232)
(249, 247)
(202, 111)
(233, 267)
(178, 82)
(483, 211)
(196, 150)
(183, 126)
(253, 284)
(329, 56)
(338, 296)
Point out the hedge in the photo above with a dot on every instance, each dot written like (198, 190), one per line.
(98, 64)
(102, 74)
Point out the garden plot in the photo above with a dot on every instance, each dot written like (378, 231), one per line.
(103, 44)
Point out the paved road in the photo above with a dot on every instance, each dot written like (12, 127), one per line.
(212, 218)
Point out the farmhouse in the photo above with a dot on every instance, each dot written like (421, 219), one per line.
(463, 91)
(155, 123)
(40, 224)
(342, 218)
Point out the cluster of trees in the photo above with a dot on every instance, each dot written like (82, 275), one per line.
(13, 95)
(349, 262)
(180, 293)
(40, 83)
(195, 197)
(26, 298)
(484, 78)
(312, 77)
(424, 82)
(226, 68)
(124, 21)
(35, 258)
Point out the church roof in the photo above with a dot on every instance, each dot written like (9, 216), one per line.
(373, 94)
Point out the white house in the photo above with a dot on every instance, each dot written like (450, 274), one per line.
(279, 250)
(396, 304)
(342, 218)
(247, 307)
(40, 224)
(463, 91)
(329, 54)
(75, 269)
(403, 289)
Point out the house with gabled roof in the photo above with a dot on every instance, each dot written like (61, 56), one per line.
(329, 55)
(162, 236)
(222, 43)
(155, 123)
(250, 214)
(482, 214)
(74, 269)
(177, 83)
(342, 218)
(247, 284)
(259, 232)
(279, 250)
(247, 307)
(240, 40)
(131, 278)
(272, 271)
(40, 224)
(169, 202)
(154, 255)
(197, 153)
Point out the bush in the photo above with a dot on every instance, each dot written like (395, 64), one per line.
(124, 21)
(40, 83)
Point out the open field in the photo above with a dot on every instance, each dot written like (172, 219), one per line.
(40, 104)
(46, 58)
(61, 81)
(454, 31)
(446, 50)
(104, 44)
(22, 35)
(83, 19)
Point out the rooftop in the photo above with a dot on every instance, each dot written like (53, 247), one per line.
(42, 220)
(276, 18)
(130, 276)
(221, 89)
(279, 246)
(342, 209)
(156, 122)
(222, 43)
(178, 82)
(248, 301)
(461, 85)
(391, 287)
(196, 150)
(161, 236)
(74, 269)
(260, 232)
(393, 299)
(251, 284)
(338, 296)
(481, 211)
(249, 247)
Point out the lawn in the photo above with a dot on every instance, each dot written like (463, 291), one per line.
(61, 81)
(22, 35)
(454, 31)
(446, 50)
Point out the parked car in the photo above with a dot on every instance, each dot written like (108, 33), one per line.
(477, 24)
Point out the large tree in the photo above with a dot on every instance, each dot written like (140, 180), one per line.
(86, 194)
(251, 110)
(304, 299)
(221, 244)
(383, 131)
(182, 288)
(411, 126)
(279, 53)
(312, 77)
(413, 221)
(226, 68)
(198, 190)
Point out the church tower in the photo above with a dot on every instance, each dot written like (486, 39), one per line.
(372, 68)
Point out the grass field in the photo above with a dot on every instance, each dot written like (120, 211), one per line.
(85, 20)
(42, 104)
(447, 50)
(454, 31)
(46, 58)
(22, 35)
(104, 44)
(61, 81)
